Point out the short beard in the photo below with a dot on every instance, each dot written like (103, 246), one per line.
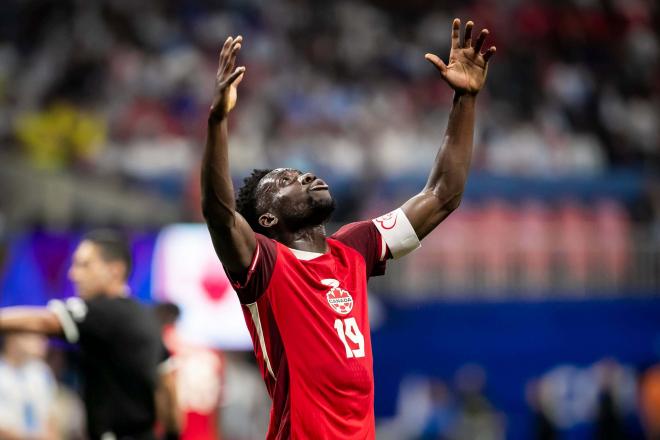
(316, 213)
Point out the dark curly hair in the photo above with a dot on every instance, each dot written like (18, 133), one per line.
(246, 202)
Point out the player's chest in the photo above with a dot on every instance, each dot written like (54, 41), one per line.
(327, 286)
(322, 302)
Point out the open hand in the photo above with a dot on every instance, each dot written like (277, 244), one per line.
(227, 79)
(467, 67)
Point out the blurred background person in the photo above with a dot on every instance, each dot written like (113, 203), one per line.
(551, 263)
(69, 410)
(610, 418)
(477, 418)
(543, 428)
(649, 401)
(243, 398)
(27, 389)
(197, 374)
(120, 344)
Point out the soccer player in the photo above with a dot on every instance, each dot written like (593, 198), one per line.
(304, 294)
(120, 344)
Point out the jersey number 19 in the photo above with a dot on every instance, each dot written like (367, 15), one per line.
(348, 328)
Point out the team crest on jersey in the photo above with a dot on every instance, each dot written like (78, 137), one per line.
(339, 299)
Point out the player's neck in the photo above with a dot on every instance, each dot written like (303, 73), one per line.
(311, 239)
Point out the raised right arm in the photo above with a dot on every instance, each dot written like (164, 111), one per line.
(233, 239)
(29, 319)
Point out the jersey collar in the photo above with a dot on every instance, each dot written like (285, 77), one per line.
(305, 255)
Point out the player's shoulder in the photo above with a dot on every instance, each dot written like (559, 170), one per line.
(359, 238)
(357, 235)
(354, 228)
(267, 244)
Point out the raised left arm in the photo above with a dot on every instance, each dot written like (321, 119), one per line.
(465, 74)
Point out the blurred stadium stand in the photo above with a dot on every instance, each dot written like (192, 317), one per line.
(106, 126)
(548, 270)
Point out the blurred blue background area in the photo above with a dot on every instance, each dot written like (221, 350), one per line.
(510, 358)
(518, 344)
(530, 313)
(36, 266)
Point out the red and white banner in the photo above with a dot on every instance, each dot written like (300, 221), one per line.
(187, 272)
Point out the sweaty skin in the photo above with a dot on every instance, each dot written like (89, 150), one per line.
(288, 196)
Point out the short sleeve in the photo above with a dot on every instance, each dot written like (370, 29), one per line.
(364, 237)
(76, 317)
(253, 282)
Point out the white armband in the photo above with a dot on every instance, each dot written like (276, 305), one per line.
(397, 232)
(69, 327)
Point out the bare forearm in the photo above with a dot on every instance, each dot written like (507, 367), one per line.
(233, 239)
(465, 74)
(449, 173)
(444, 187)
(29, 319)
(218, 203)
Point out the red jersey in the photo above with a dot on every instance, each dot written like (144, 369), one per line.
(308, 317)
(199, 375)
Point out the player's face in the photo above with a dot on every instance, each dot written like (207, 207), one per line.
(89, 272)
(298, 199)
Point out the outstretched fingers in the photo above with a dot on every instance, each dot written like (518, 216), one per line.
(437, 62)
(456, 34)
(223, 54)
(489, 53)
(236, 76)
(480, 40)
(235, 47)
(468, 34)
(228, 52)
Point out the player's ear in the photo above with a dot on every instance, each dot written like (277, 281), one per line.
(267, 220)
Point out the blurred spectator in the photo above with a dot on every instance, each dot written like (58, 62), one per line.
(477, 418)
(198, 376)
(69, 411)
(425, 410)
(60, 136)
(544, 428)
(649, 402)
(442, 418)
(570, 399)
(27, 389)
(428, 409)
(244, 398)
(341, 88)
(609, 420)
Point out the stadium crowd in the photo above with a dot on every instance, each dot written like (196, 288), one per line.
(118, 91)
(121, 89)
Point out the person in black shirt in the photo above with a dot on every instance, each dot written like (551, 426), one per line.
(120, 343)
